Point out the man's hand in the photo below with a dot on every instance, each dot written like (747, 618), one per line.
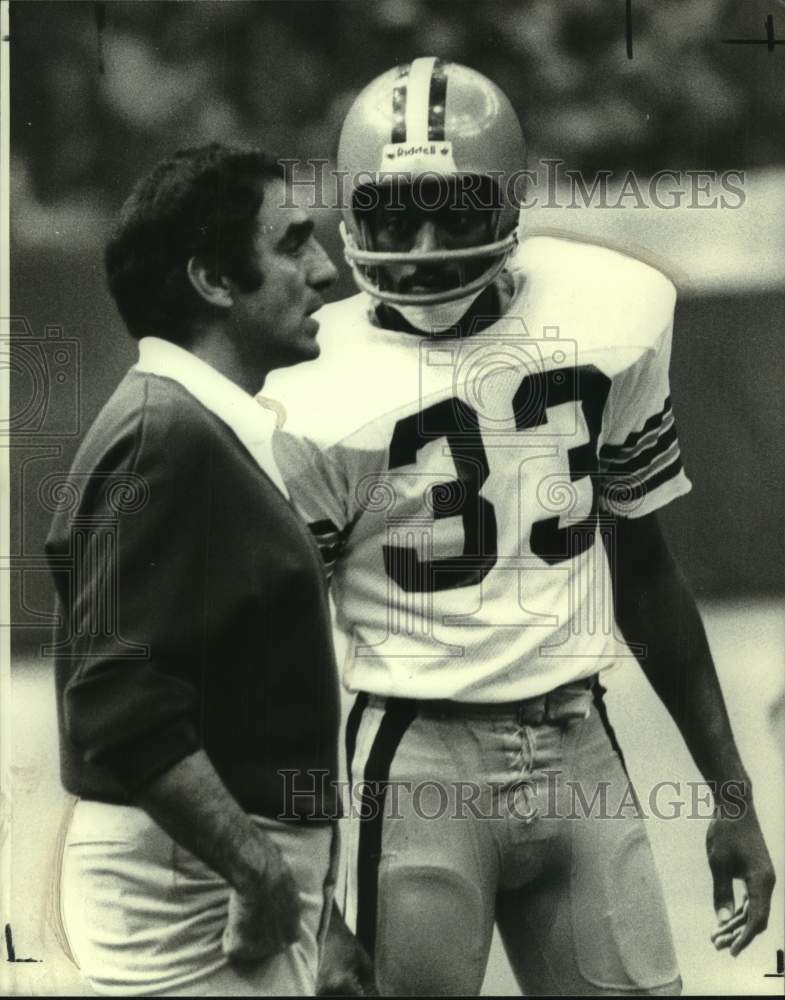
(264, 913)
(736, 850)
(191, 803)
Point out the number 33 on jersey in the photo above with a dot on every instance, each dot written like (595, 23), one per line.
(456, 486)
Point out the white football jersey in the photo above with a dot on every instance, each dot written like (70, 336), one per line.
(458, 486)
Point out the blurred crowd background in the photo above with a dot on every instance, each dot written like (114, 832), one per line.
(100, 91)
(284, 73)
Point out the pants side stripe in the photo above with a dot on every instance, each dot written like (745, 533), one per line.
(599, 703)
(398, 716)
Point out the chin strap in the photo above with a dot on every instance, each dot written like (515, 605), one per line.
(358, 259)
(439, 317)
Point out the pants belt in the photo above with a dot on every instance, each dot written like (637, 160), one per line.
(569, 701)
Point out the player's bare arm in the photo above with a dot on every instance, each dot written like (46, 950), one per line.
(655, 607)
(190, 802)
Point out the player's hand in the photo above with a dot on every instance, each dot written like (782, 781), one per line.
(736, 849)
(264, 912)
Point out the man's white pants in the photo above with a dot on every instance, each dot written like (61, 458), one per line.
(145, 916)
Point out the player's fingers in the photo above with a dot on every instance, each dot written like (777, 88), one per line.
(738, 916)
(727, 933)
(722, 941)
(736, 921)
(723, 893)
(759, 890)
(744, 937)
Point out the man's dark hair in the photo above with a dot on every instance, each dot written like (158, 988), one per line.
(201, 202)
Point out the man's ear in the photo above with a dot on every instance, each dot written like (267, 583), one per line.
(212, 287)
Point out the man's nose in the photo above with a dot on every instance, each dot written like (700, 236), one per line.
(322, 272)
(426, 238)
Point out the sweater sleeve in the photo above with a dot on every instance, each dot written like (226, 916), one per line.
(140, 606)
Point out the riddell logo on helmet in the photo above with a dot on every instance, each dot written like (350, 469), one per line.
(432, 154)
(395, 152)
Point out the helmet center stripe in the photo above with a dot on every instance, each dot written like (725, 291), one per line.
(418, 100)
(399, 108)
(437, 102)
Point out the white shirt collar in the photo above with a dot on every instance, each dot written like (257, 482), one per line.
(251, 422)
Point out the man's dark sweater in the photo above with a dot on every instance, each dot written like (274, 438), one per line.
(193, 612)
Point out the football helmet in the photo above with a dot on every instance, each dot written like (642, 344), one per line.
(426, 120)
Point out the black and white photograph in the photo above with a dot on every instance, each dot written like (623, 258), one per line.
(391, 499)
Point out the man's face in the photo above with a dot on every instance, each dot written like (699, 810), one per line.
(421, 220)
(275, 321)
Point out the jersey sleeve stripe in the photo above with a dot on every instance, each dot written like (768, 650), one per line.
(326, 527)
(330, 541)
(640, 459)
(611, 451)
(327, 539)
(615, 480)
(645, 442)
(664, 459)
(330, 553)
(651, 484)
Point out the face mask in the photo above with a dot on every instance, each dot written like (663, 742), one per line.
(435, 318)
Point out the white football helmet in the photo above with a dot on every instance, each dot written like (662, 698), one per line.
(430, 120)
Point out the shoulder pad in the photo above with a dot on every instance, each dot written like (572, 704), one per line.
(601, 297)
